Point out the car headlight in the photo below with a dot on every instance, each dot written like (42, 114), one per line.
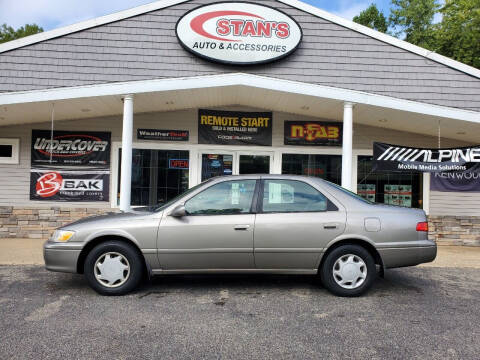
(62, 235)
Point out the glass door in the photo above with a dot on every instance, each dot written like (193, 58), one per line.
(214, 163)
(254, 163)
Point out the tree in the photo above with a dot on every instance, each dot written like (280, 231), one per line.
(458, 34)
(373, 18)
(414, 20)
(8, 33)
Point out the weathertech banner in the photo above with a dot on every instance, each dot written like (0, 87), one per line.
(312, 133)
(234, 127)
(69, 185)
(388, 157)
(70, 148)
(162, 135)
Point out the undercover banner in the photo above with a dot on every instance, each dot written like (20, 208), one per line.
(69, 185)
(312, 133)
(387, 157)
(70, 148)
(234, 127)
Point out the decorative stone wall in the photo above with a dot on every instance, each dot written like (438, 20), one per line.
(40, 222)
(455, 230)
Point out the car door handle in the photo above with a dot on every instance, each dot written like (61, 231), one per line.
(241, 227)
(329, 226)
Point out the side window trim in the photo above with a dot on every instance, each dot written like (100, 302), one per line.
(330, 205)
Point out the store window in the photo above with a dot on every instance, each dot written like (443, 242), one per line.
(216, 165)
(157, 175)
(9, 150)
(403, 189)
(328, 167)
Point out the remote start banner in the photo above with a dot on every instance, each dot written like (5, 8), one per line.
(234, 127)
(70, 148)
(388, 157)
(69, 185)
(312, 133)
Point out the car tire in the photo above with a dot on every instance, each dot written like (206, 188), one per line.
(113, 268)
(348, 270)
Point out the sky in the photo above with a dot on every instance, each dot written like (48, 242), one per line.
(51, 14)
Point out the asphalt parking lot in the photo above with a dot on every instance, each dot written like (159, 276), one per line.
(421, 312)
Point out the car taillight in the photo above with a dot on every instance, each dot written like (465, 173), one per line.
(422, 226)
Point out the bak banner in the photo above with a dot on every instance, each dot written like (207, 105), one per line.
(69, 185)
(234, 127)
(312, 133)
(70, 148)
(388, 157)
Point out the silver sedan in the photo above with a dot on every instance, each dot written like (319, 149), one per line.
(276, 224)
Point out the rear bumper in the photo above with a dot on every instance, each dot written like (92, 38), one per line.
(62, 257)
(425, 251)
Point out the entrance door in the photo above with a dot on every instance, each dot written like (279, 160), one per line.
(254, 163)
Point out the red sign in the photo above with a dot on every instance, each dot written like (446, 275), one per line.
(178, 164)
(49, 184)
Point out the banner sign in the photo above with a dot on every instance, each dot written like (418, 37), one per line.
(178, 163)
(312, 133)
(238, 33)
(388, 157)
(162, 135)
(234, 127)
(70, 148)
(69, 185)
(467, 181)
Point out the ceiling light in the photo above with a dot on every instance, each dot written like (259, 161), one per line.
(169, 103)
(86, 110)
(305, 107)
(383, 120)
(461, 133)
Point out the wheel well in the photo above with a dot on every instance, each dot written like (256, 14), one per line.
(365, 244)
(92, 243)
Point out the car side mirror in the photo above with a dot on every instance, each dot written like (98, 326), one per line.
(179, 211)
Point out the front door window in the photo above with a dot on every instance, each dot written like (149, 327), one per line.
(216, 165)
(254, 164)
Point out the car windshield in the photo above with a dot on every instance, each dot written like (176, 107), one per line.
(348, 192)
(168, 203)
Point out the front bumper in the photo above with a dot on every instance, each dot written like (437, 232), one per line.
(61, 257)
(399, 256)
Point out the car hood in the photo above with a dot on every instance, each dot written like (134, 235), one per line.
(111, 216)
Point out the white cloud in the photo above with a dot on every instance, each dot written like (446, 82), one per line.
(56, 13)
(348, 9)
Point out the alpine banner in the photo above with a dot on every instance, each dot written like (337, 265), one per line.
(69, 185)
(234, 127)
(70, 148)
(387, 157)
(312, 133)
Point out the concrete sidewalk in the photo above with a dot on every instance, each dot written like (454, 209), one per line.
(29, 252)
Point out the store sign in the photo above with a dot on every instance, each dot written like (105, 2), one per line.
(178, 163)
(238, 33)
(69, 185)
(467, 181)
(388, 157)
(312, 133)
(70, 148)
(234, 127)
(162, 135)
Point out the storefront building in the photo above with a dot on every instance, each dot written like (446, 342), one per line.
(134, 108)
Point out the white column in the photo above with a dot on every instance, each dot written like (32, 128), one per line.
(126, 169)
(347, 152)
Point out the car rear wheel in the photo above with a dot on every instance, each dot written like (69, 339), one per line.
(113, 268)
(348, 270)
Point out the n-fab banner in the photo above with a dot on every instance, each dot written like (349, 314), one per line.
(467, 181)
(234, 127)
(69, 185)
(70, 148)
(312, 133)
(387, 157)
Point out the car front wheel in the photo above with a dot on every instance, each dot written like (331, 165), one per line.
(348, 270)
(113, 268)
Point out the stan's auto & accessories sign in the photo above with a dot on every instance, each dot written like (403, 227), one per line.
(234, 127)
(70, 148)
(388, 157)
(312, 133)
(69, 185)
(238, 33)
